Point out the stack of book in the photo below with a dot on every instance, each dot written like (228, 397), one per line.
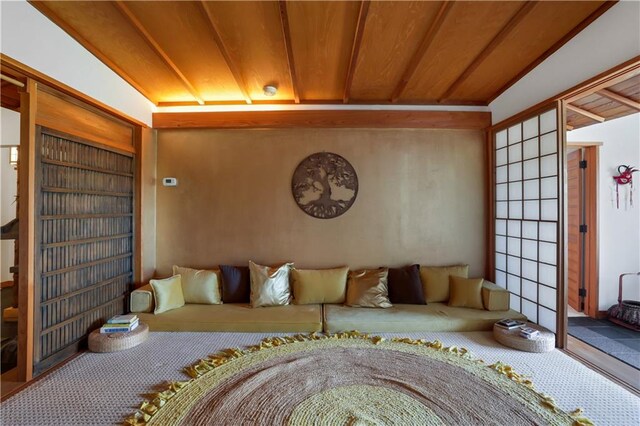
(528, 332)
(120, 324)
(509, 324)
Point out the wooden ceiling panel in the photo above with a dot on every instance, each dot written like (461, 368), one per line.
(468, 28)
(629, 88)
(252, 33)
(545, 24)
(414, 52)
(9, 96)
(183, 32)
(321, 40)
(106, 30)
(393, 31)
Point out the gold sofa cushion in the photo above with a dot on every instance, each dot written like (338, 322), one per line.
(199, 285)
(235, 317)
(465, 292)
(410, 318)
(494, 297)
(368, 289)
(319, 285)
(435, 280)
(167, 294)
(269, 286)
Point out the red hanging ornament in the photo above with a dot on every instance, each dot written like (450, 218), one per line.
(625, 177)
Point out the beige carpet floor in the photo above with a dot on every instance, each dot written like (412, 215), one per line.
(102, 389)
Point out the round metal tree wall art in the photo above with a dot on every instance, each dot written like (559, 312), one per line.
(324, 185)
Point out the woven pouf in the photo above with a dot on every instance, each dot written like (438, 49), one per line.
(545, 341)
(113, 342)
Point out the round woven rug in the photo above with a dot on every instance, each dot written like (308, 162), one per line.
(351, 379)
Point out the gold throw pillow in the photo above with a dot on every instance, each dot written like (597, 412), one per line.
(435, 280)
(199, 286)
(368, 289)
(167, 294)
(312, 286)
(466, 292)
(269, 286)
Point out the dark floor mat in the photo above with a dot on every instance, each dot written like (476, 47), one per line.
(610, 338)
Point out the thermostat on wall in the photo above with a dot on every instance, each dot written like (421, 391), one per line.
(169, 181)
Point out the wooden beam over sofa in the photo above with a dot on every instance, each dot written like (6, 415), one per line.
(321, 118)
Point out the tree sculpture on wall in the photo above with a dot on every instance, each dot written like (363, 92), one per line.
(324, 185)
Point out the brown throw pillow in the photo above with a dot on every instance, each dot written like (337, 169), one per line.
(368, 289)
(236, 284)
(466, 292)
(405, 285)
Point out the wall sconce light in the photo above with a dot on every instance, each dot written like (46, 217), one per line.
(13, 156)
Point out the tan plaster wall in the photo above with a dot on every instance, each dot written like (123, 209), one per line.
(421, 199)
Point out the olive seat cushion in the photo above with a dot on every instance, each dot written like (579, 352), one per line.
(409, 318)
(231, 317)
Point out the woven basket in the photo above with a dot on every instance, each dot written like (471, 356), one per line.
(113, 342)
(545, 341)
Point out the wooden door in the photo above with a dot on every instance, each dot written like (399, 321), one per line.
(574, 191)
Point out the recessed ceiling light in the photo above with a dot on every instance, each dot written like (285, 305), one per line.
(270, 90)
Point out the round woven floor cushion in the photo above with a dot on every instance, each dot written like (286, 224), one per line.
(545, 341)
(113, 342)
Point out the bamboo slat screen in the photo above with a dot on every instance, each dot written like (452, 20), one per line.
(85, 206)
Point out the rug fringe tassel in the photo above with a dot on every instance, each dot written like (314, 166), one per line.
(149, 408)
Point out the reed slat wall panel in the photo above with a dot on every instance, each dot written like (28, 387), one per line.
(85, 267)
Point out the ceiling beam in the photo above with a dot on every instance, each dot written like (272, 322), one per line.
(557, 45)
(133, 20)
(323, 118)
(586, 113)
(620, 99)
(45, 10)
(231, 64)
(499, 38)
(355, 49)
(422, 49)
(286, 34)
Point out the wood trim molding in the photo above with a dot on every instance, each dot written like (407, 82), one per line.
(42, 7)
(557, 45)
(422, 49)
(503, 34)
(586, 113)
(324, 118)
(155, 46)
(591, 214)
(27, 215)
(355, 50)
(233, 67)
(620, 99)
(26, 71)
(286, 35)
(562, 265)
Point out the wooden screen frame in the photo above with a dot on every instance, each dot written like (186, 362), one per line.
(36, 81)
(561, 271)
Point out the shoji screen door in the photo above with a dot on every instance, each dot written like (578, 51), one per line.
(527, 187)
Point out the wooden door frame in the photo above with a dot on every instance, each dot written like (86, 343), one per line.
(591, 202)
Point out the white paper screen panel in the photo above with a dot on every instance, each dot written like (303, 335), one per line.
(526, 222)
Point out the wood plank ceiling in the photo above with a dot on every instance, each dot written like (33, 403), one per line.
(615, 101)
(405, 52)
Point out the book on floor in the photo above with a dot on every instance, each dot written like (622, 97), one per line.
(528, 332)
(123, 319)
(509, 324)
(109, 328)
